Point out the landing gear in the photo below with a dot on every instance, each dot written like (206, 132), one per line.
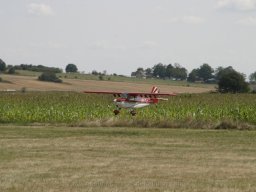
(133, 112)
(116, 112)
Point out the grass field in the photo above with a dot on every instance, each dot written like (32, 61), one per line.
(126, 159)
(77, 109)
(67, 154)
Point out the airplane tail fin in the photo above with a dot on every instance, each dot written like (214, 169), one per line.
(155, 90)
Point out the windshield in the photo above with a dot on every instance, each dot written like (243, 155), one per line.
(124, 95)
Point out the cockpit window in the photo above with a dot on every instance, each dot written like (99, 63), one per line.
(124, 95)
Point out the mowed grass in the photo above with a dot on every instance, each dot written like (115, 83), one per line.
(126, 159)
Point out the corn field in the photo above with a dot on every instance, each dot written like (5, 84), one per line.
(71, 107)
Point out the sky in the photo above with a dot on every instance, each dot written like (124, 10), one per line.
(121, 35)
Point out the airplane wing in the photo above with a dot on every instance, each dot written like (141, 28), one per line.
(150, 95)
(116, 94)
(140, 94)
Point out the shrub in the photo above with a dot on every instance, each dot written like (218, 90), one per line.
(49, 76)
(233, 82)
(2, 65)
(23, 89)
(71, 68)
(11, 70)
(101, 77)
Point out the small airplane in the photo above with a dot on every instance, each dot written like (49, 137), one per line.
(133, 101)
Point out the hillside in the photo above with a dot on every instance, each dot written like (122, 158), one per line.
(14, 82)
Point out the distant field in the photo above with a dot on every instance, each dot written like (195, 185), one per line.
(116, 78)
(85, 82)
(63, 159)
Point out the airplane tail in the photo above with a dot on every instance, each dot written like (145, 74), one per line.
(155, 90)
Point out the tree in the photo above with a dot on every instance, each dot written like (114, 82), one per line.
(71, 68)
(205, 71)
(252, 77)
(179, 72)
(2, 66)
(220, 71)
(159, 70)
(170, 71)
(233, 82)
(139, 73)
(148, 72)
(193, 75)
(94, 72)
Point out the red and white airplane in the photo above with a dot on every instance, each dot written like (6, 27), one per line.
(133, 101)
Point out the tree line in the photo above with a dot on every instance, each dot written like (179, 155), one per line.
(48, 73)
(228, 79)
(28, 67)
(36, 68)
(205, 73)
(162, 71)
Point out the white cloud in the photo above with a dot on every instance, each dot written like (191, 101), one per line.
(47, 45)
(104, 45)
(40, 9)
(98, 44)
(56, 45)
(192, 19)
(148, 45)
(243, 5)
(189, 19)
(250, 21)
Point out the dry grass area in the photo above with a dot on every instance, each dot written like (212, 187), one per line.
(126, 159)
(32, 84)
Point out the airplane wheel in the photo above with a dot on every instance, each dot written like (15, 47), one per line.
(116, 112)
(133, 113)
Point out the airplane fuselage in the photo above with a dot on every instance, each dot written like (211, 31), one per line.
(134, 100)
(137, 102)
